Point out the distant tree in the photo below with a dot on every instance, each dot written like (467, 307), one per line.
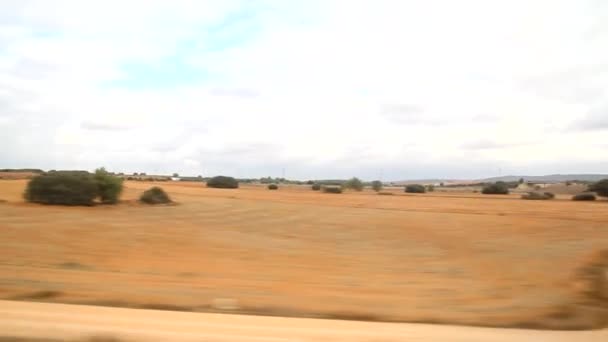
(521, 181)
(354, 184)
(377, 185)
(415, 188)
(176, 175)
(316, 187)
(441, 184)
(223, 182)
(430, 188)
(142, 173)
(135, 174)
(498, 188)
(600, 188)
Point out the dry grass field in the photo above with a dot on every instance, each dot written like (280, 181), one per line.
(441, 257)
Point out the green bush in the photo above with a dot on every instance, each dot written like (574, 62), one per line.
(600, 188)
(223, 182)
(273, 187)
(65, 188)
(585, 196)
(415, 188)
(353, 184)
(498, 188)
(538, 196)
(316, 187)
(377, 185)
(332, 189)
(109, 187)
(155, 195)
(430, 188)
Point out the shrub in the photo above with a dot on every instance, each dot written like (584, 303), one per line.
(498, 188)
(109, 187)
(155, 195)
(65, 188)
(332, 189)
(430, 188)
(415, 188)
(223, 182)
(316, 187)
(538, 196)
(585, 196)
(600, 188)
(354, 184)
(273, 187)
(377, 185)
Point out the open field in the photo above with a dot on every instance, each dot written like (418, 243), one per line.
(441, 257)
(44, 322)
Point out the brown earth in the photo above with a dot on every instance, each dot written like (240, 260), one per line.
(447, 258)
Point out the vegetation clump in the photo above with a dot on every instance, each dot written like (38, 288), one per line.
(415, 188)
(223, 182)
(538, 196)
(109, 187)
(332, 189)
(63, 188)
(155, 195)
(273, 187)
(585, 196)
(353, 184)
(316, 187)
(498, 188)
(600, 188)
(377, 185)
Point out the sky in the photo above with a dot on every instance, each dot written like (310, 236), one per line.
(376, 89)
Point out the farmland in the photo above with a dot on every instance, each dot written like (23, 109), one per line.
(460, 258)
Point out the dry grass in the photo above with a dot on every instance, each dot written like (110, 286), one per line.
(438, 257)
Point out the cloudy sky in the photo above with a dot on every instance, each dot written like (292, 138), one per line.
(315, 89)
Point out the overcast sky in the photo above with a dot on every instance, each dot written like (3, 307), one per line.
(315, 89)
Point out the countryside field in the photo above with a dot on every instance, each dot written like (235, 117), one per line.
(460, 258)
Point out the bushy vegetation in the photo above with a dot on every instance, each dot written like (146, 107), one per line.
(353, 184)
(273, 187)
(64, 188)
(600, 188)
(155, 195)
(316, 187)
(22, 170)
(332, 189)
(109, 187)
(585, 196)
(498, 188)
(415, 188)
(377, 185)
(430, 188)
(538, 196)
(223, 182)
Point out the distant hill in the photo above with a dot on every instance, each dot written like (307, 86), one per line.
(548, 178)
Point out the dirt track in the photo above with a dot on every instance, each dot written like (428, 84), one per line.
(455, 258)
(76, 322)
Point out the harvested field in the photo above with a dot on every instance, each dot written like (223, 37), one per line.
(437, 257)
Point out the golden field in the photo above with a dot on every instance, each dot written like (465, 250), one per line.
(458, 258)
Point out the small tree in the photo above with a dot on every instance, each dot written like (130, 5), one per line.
(332, 189)
(109, 187)
(175, 175)
(273, 187)
(521, 181)
(64, 188)
(498, 188)
(415, 188)
(223, 182)
(354, 184)
(600, 188)
(316, 187)
(430, 188)
(155, 195)
(377, 185)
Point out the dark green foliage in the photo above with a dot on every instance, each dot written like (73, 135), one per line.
(377, 185)
(430, 188)
(498, 188)
(223, 182)
(332, 189)
(600, 188)
(109, 187)
(273, 187)
(415, 188)
(310, 182)
(353, 184)
(538, 196)
(521, 181)
(316, 187)
(22, 170)
(62, 188)
(585, 196)
(175, 175)
(155, 195)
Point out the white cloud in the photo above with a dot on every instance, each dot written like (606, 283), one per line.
(321, 88)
